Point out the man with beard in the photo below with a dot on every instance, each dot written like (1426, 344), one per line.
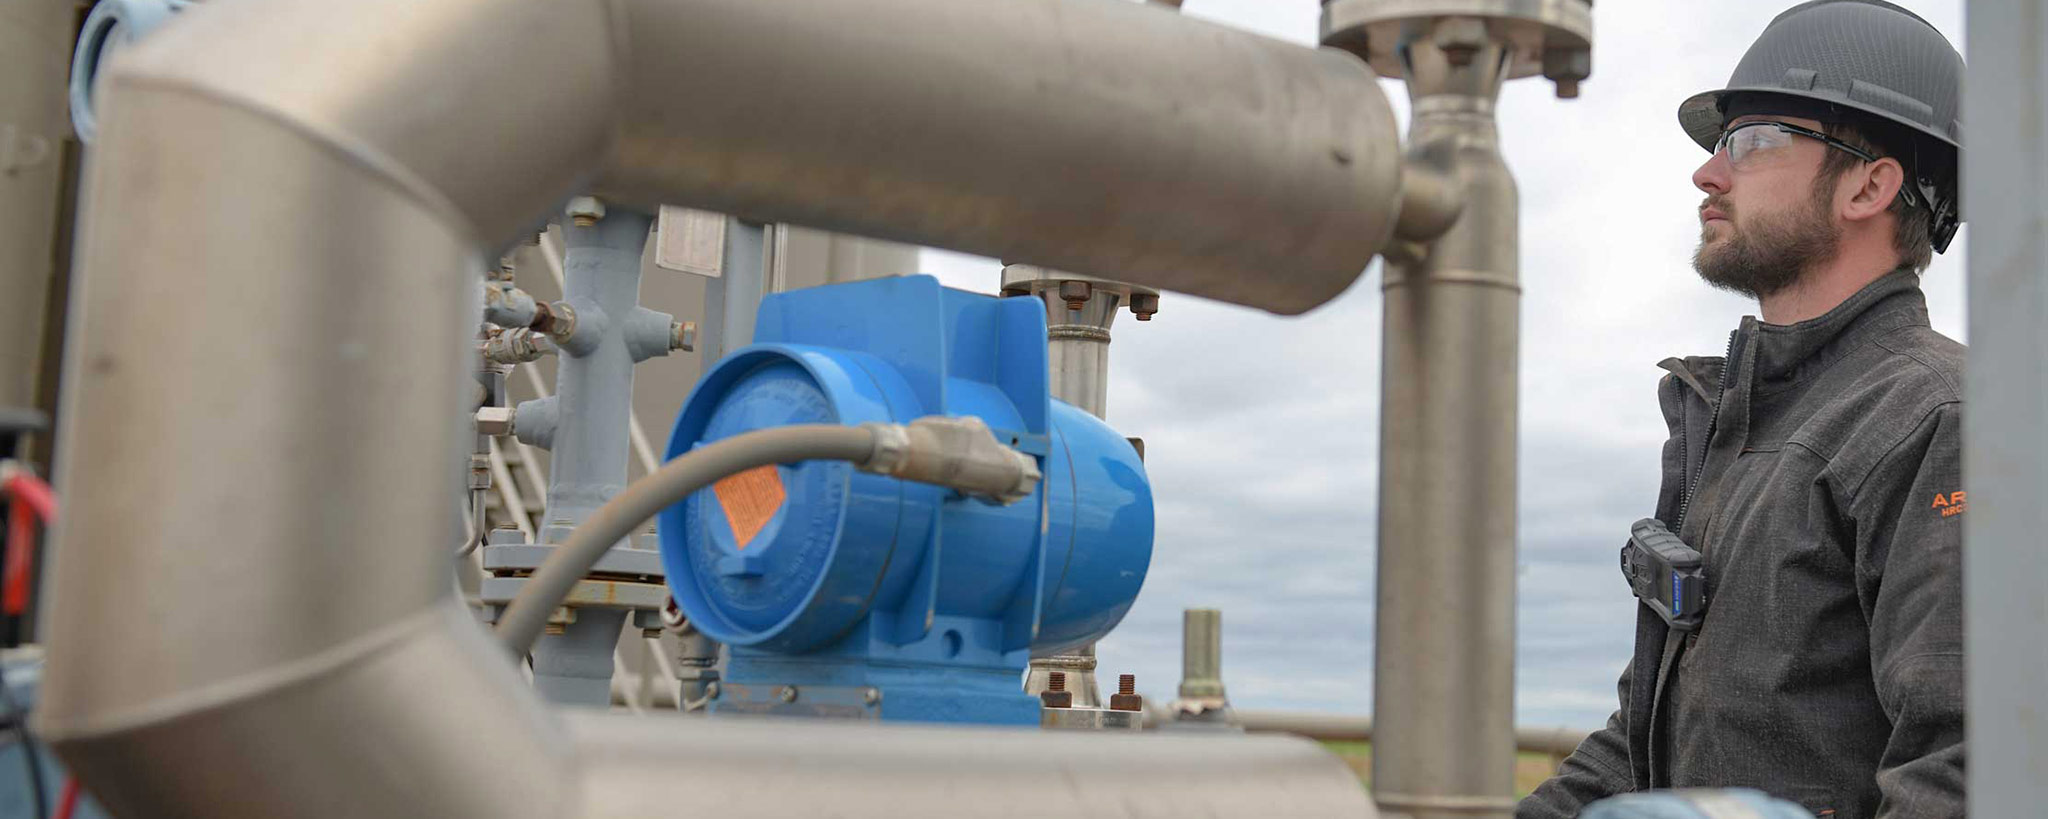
(1815, 468)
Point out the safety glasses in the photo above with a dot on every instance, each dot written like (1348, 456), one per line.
(1760, 137)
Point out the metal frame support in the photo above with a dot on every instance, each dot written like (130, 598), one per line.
(2005, 455)
(607, 333)
(733, 297)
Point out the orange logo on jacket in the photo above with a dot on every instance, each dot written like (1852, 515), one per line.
(1952, 503)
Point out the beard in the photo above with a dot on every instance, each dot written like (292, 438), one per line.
(1770, 253)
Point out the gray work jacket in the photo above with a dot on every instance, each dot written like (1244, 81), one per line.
(1820, 475)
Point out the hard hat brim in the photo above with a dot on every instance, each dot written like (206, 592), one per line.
(1700, 114)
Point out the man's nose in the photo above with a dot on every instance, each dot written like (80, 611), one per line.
(1712, 176)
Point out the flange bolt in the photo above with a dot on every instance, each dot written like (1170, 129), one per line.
(1056, 694)
(1126, 697)
(1076, 294)
(1144, 306)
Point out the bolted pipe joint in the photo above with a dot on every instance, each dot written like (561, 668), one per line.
(650, 333)
(578, 326)
(517, 347)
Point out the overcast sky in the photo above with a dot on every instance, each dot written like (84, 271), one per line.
(1262, 432)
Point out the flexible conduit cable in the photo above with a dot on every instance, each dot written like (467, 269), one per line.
(527, 616)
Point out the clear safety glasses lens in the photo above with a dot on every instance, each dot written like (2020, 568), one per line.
(1752, 138)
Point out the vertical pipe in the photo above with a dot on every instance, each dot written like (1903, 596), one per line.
(1443, 675)
(1201, 654)
(1079, 312)
(593, 388)
(2005, 457)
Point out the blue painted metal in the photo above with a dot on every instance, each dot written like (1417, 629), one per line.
(859, 581)
(22, 680)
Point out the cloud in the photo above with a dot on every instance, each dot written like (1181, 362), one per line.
(1262, 432)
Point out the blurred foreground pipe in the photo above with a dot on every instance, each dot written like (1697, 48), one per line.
(2005, 456)
(1556, 740)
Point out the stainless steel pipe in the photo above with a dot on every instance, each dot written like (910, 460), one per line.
(249, 610)
(1079, 311)
(1443, 674)
(2005, 456)
(1556, 740)
(850, 770)
(1110, 139)
(35, 55)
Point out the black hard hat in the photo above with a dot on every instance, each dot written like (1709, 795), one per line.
(1866, 59)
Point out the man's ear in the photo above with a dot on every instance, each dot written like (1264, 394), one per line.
(1876, 184)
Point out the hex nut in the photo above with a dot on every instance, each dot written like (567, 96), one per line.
(786, 693)
(1567, 68)
(494, 421)
(584, 210)
(682, 335)
(1144, 306)
(1076, 294)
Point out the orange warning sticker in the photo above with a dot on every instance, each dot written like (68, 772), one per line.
(750, 499)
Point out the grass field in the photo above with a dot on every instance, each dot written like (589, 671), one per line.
(1530, 769)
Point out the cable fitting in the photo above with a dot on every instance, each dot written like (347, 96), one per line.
(958, 452)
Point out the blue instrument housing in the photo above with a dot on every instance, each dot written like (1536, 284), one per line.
(855, 594)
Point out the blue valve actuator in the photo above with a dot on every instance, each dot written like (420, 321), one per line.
(830, 581)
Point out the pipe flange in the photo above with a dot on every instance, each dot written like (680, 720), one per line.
(1553, 38)
(1027, 279)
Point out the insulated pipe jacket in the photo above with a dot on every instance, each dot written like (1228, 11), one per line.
(248, 609)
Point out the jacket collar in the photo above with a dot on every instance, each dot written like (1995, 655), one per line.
(1790, 353)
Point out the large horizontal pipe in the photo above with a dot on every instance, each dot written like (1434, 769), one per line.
(1112, 139)
(1556, 740)
(250, 608)
(647, 766)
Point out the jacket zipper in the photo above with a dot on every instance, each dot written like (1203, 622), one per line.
(1713, 421)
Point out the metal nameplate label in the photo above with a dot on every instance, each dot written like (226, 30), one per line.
(690, 241)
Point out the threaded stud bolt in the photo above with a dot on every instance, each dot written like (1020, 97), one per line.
(1056, 694)
(1126, 697)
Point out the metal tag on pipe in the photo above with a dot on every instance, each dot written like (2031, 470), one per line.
(690, 241)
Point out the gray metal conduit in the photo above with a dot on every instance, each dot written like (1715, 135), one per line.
(249, 609)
